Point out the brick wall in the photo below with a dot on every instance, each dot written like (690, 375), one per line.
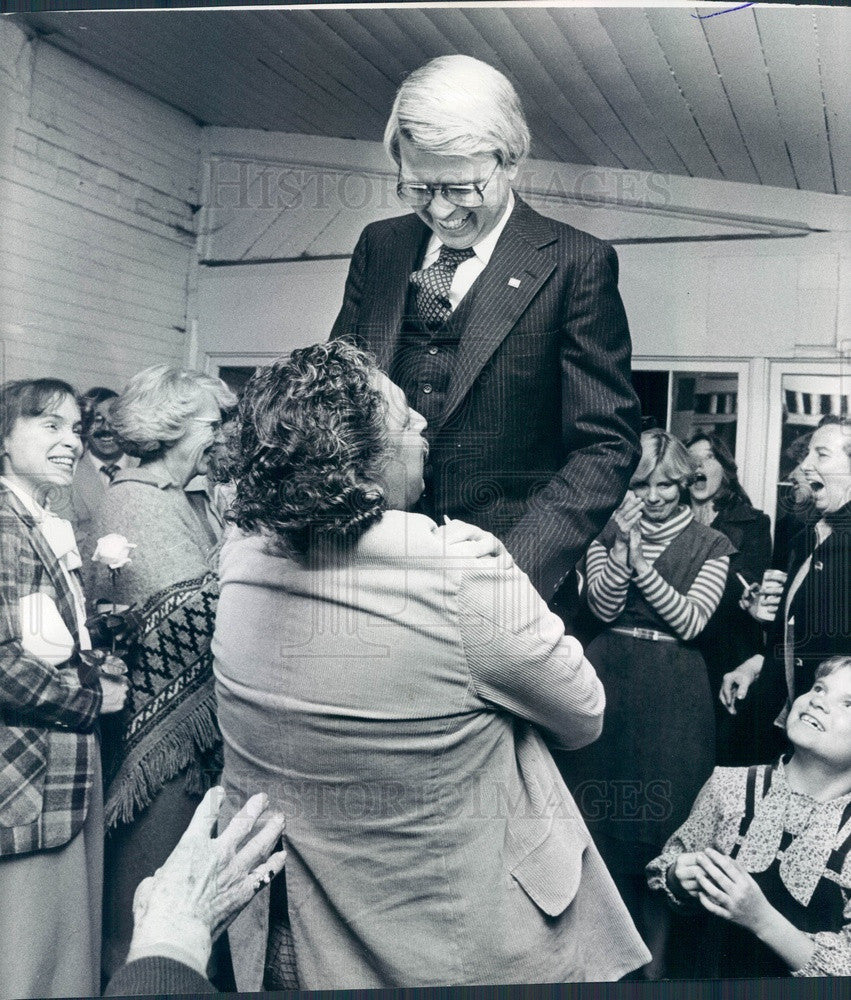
(98, 188)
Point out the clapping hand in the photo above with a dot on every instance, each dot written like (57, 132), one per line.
(625, 520)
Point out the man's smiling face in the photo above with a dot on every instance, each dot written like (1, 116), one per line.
(459, 228)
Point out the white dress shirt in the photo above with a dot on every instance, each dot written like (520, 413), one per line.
(468, 270)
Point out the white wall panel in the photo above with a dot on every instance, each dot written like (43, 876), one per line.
(98, 193)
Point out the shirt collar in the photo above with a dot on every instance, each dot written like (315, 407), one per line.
(145, 474)
(56, 531)
(98, 463)
(651, 531)
(199, 484)
(31, 505)
(803, 862)
(485, 247)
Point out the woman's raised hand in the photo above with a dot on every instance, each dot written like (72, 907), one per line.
(627, 516)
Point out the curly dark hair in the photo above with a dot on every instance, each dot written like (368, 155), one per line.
(312, 443)
(731, 490)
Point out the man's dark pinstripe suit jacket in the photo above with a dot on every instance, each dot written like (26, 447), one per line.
(538, 435)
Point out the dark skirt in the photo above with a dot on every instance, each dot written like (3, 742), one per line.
(636, 784)
(133, 852)
(50, 914)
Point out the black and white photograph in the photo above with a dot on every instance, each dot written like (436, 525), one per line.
(425, 499)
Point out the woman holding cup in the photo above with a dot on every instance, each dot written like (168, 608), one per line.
(807, 608)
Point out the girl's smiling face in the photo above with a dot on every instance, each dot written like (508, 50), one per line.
(43, 451)
(660, 493)
(820, 720)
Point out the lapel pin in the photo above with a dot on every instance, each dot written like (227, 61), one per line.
(514, 282)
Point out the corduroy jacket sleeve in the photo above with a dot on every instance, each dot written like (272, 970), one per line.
(519, 657)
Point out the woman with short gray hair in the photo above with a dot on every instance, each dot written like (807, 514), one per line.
(158, 760)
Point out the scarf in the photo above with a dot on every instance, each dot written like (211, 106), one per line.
(169, 721)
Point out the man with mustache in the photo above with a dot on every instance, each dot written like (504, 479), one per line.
(102, 459)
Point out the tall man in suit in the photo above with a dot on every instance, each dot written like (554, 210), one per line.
(504, 328)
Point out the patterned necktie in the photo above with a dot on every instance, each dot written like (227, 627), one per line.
(110, 470)
(433, 284)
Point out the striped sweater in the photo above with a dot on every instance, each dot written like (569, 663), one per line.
(687, 614)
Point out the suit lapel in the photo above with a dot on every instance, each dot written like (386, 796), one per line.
(64, 598)
(503, 291)
(399, 256)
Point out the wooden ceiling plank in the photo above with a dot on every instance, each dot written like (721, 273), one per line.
(602, 62)
(257, 57)
(388, 34)
(642, 57)
(463, 35)
(317, 52)
(686, 51)
(737, 51)
(155, 65)
(791, 54)
(558, 60)
(368, 47)
(213, 83)
(326, 107)
(833, 34)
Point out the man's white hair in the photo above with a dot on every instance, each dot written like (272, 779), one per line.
(459, 106)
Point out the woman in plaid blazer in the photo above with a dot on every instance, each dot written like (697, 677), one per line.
(51, 814)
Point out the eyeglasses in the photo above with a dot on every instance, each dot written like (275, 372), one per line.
(469, 195)
(214, 425)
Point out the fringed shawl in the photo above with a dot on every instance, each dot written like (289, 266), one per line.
(169, 721)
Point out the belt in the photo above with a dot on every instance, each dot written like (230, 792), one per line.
(645, 633)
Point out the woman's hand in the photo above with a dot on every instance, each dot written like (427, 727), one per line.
(625, 520)
(767, 599)
(627, 516)
(682, 877)
(728, 891)
(636, 552)
(206, 881)
(114, 690)
(736, 684)
(454, 532)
